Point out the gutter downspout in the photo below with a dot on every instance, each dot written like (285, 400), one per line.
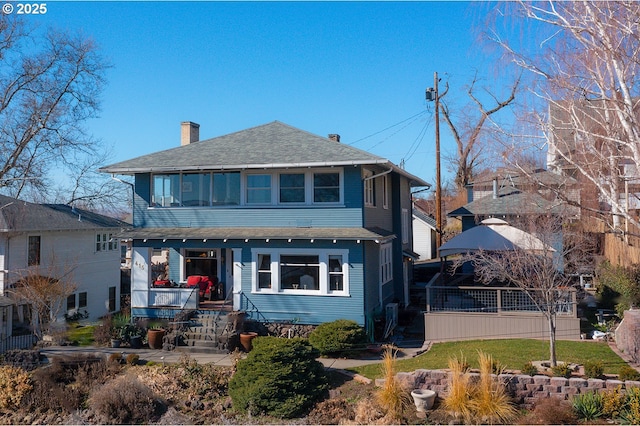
(375, 176)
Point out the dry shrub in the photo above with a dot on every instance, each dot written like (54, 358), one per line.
(165, 381)
(368, 412)
(15, 384)
(332, 411)
(132, 359)
(551, 411)
(125, 400)
(392, 397)
(66, 383)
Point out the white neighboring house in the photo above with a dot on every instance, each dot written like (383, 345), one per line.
(57, 240)
(424, 234)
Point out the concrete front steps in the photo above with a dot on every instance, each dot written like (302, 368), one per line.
(206, 333)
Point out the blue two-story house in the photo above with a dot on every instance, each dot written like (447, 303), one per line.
(297, 226)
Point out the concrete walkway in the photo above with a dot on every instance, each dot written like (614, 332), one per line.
(406, 350)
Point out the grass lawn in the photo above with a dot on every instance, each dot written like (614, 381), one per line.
(82, 334)
(512, 353)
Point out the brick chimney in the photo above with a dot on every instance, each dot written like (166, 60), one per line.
(334, 137)
(189, 132)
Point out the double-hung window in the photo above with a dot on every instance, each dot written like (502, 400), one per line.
(326, 187)
(369, 193)
(386, 263)
(300, 271)
(292, 188)
(258, 189)
(34, 250)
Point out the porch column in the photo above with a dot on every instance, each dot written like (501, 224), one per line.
(140, 276)
(237, 277)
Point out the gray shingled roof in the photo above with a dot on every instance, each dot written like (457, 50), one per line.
(272, 145)
(20, 216)
(510, 201)
(423, 216)
(274, 233)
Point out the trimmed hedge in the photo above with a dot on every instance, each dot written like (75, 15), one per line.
(339, 338)
(280, 377)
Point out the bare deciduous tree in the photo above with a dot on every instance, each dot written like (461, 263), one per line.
(45, 290)
(541, 274)
(50, 84)
(468, 131)
(584, 75)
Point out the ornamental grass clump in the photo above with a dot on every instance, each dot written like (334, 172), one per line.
(457, 400)
(392, 397)
(490, 402)
(482, 401)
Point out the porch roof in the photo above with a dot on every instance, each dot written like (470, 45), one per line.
(244, 233)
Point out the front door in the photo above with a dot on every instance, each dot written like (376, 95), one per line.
(202, 262)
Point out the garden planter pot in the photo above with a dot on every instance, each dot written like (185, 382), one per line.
(135, 342)
(155, 337)
(245, 340)
(423, 398)
(115, 343)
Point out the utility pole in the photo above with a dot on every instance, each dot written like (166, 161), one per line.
(432, 94)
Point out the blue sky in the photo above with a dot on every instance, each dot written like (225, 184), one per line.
(352, 68)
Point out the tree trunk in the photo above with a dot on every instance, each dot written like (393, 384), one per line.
(552, 341)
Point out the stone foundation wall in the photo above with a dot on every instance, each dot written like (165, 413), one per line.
(525, 390)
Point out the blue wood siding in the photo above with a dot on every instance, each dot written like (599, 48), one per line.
(310, 309)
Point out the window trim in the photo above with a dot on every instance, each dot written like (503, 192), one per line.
(323, 258)
(369, 192)
(37, 258)
(405, 226)
(386, 263)
(385, 192)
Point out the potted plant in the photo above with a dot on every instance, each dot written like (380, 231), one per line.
(155, 337)
(116, 339)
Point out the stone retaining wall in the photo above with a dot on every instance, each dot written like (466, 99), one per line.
(526, 390)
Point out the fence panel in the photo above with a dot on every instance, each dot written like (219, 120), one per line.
(17, 342)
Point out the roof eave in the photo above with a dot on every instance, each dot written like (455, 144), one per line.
(415, 181)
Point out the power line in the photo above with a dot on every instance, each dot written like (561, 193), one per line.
(413, 117)
(417, 142)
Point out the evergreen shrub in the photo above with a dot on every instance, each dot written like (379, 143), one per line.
(279, 377)
(628, 373)
(594, 369)
(338, 338)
